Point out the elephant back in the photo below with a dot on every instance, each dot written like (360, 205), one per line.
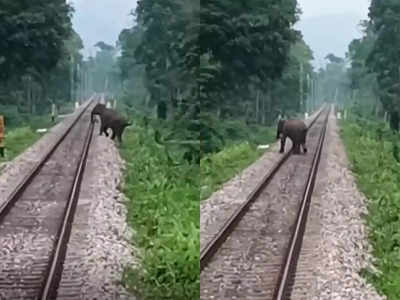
(296, 130)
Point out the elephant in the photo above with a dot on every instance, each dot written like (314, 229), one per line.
(296, 130)
(110, 119)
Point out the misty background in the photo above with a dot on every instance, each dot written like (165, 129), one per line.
(330, 26)
(102, 21)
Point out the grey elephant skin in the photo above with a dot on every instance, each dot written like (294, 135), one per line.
(110, 119)
(296, 130)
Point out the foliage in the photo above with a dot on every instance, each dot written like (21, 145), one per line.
(249, 32)
(17, 140)
(217, 168)
(285, 94)
(370, 150)
(237, 151)
(384, 57)
(32, 34)
(159, 59)
(240, 80)
(165, 42)
(164, 211)
(37, 48)
(363, 83)
(104, 70)
(334, 83)
(171, 57)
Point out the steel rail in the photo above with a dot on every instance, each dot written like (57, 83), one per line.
(290, 261)
(55, 268)
(21, 187)
(215, 243)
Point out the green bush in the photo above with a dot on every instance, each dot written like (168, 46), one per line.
(164, 212)
(17, 140)
(12, 118)
(217, 168)
(370, 151)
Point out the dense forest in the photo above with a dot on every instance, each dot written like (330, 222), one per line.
(171, 66)
(168, 66)
(368, 77)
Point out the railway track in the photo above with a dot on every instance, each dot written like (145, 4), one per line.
(36, 219)
(254, 255)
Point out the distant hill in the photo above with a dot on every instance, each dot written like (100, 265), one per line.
(329, 34)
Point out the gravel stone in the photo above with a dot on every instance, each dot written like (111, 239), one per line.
(99, 247)
(12, 172)
(335, 247)
(250, 258)
(100, 242)
(215, 210)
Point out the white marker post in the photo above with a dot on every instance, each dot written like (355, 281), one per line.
(306, 116)
(115, 104)
(53, 112)
(76, 105)
(339, 116)
(108, 105)
(2, 136)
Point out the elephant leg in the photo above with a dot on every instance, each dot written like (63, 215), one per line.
(119, 134)
(105, 130)
(283, 141)
(101, 129)
(296, 148)
(113, 133)
(304, 147)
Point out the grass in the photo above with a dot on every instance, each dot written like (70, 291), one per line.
(163, 209)
(163, 206)
(217, 168)
(371, 149)
(19, 139)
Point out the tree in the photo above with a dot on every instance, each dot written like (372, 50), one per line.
(32, 35)
(363, 83)
(384, 59)
(243, 44)
(36, 45)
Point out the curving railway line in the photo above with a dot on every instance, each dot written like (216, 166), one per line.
(40, 213)
(254, 255)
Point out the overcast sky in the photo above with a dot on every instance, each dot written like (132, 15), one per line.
(313, 8)
(328, 26)
(101, 20)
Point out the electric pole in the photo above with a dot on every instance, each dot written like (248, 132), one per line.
(301, 88)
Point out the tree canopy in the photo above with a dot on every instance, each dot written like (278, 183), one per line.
(32, 35)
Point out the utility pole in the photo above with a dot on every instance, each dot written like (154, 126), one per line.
(312, 94)
(309, 92)
(301, 87)
(78, 88)
(71, 78)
